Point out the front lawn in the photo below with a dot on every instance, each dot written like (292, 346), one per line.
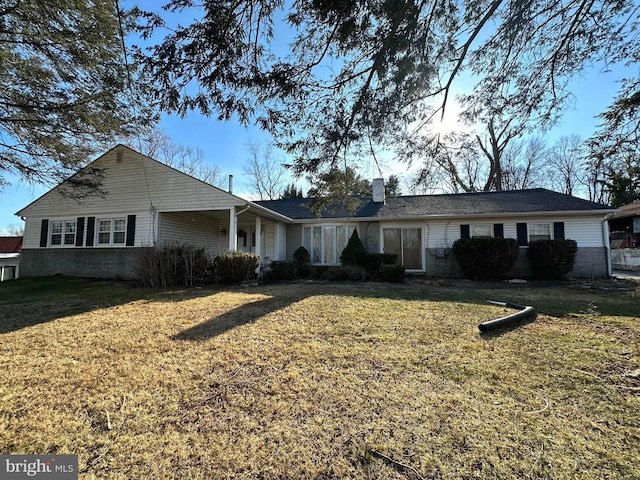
(322, 381)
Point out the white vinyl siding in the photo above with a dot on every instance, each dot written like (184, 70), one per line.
(137, 186)
(196, 229)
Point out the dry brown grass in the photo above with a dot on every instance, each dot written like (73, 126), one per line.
(323, 381)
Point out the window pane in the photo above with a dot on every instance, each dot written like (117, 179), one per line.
(104, 226)
(118, 237)
(392, 242)
(306, 238)
(56, 227)
(329, 252)
(103, 238)
(412, 248)
(481, 230)
(56, 239)
(119, 225)
(317, 242)
(539, 231)
(69, 233)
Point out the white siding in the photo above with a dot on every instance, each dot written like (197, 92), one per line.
(195, 229)
(270, 241)
(136, 186)
(282, 241)
(585, 230)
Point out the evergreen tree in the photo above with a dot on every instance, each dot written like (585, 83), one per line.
(63, 88)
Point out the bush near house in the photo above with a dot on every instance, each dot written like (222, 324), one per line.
(235, 267)
(354, 252)
(486, 258)
(392, 273)
(373, 263)
(552, 259)
(347, 273)
(172, 265)
(301, 255)
(282, 270)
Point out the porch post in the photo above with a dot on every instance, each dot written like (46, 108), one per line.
(233, 230)
(258, 241)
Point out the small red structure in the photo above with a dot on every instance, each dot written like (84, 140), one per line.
(10, 248)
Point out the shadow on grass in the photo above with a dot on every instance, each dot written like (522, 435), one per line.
(31, 301)
(242, 315)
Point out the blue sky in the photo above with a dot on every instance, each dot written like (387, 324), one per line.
(224, 143)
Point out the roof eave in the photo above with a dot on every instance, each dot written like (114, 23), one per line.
(602, 212)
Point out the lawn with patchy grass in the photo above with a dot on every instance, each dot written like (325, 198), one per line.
(321, 381)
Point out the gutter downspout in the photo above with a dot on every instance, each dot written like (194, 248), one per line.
(607, 246)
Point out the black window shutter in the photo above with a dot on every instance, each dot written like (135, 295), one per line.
(498, 230)
(44, 232)
(521, 228)
(464, 231)
(558, 230)
(131, 230)
(79, 231)
(91, 224)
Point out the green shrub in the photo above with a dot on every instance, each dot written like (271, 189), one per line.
(372, 262)
(171, 265)
(235, 267)
(354, 251)
(389, 258)
(347, 273)
(486, 258)
(392, 273)
(304, 271)
(283, 270)
(552, 259)
(301, 255)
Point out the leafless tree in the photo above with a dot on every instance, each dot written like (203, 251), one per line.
(14, 230)
(266, 171)
(566, 172)
(524, 164)
(158, 145)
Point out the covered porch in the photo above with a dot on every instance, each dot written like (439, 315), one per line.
(246, 228)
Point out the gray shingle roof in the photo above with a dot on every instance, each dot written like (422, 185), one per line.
(512, 201)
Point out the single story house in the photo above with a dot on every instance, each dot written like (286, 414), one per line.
(10, 248)
(146, 203)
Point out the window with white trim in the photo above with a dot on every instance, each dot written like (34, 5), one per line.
(63, 232)
(481, 230)
(326, 242)
(539, 231)
(111, 231)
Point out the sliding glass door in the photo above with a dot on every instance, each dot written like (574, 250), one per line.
(407, 244)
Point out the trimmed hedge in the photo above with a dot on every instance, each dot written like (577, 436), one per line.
(552, 259)
(486, 258)
(373, 262)
(392, 273)
(235, 267)
(283, 270)
(348, 273)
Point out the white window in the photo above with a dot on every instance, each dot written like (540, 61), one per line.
(63, 232)
(539, 231)
(481, 230)
(112, 231)
(325, 243)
